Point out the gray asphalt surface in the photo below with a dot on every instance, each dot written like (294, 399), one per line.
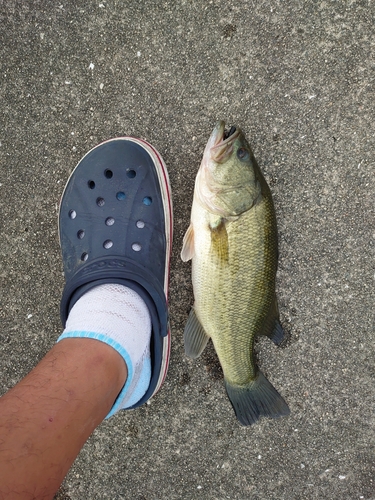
(298, 77)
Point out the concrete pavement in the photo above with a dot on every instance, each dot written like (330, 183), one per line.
(298, 77)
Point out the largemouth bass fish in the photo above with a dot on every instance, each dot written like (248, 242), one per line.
(232, 241)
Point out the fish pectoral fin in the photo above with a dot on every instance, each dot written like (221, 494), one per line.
(187, 251)
(219, 240)
(195, 338)
(255, 400)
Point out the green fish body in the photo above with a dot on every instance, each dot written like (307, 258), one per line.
(232, 241)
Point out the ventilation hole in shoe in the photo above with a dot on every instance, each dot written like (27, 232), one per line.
(84, 256)
(80, 234)
(131, 173)
(108, 173)
(140, 224)
(72, 214)
(108, 244)
(109, 221)
(100, 202)
(120, 196)
(136, 247)
(91, 184)
(147, 200)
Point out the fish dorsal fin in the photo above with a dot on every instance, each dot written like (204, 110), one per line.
(272, 327)
(187, 251)
(277, 335)
(195, 338)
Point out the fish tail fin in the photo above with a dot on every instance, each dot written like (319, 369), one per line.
(257, 399)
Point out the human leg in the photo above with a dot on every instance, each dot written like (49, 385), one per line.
(47, 417)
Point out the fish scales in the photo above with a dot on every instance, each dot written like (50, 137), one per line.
(235, 295)
(232, 241)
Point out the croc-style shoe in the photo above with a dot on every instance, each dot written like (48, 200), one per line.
(115, 226)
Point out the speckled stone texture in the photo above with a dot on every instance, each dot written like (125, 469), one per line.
(298, 77)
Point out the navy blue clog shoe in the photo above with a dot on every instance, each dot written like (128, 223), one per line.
(115, 226)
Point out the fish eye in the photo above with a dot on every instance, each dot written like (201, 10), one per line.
(243, 154)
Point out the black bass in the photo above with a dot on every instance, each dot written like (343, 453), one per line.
(232, 241)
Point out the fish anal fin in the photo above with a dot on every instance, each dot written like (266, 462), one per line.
(195, 338)
(187, 251)
(255, 400)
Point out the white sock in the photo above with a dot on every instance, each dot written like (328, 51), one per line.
(118, 316)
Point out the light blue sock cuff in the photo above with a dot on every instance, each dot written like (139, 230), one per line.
(118, 347)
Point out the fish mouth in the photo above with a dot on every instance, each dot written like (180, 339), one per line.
(221, 142)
